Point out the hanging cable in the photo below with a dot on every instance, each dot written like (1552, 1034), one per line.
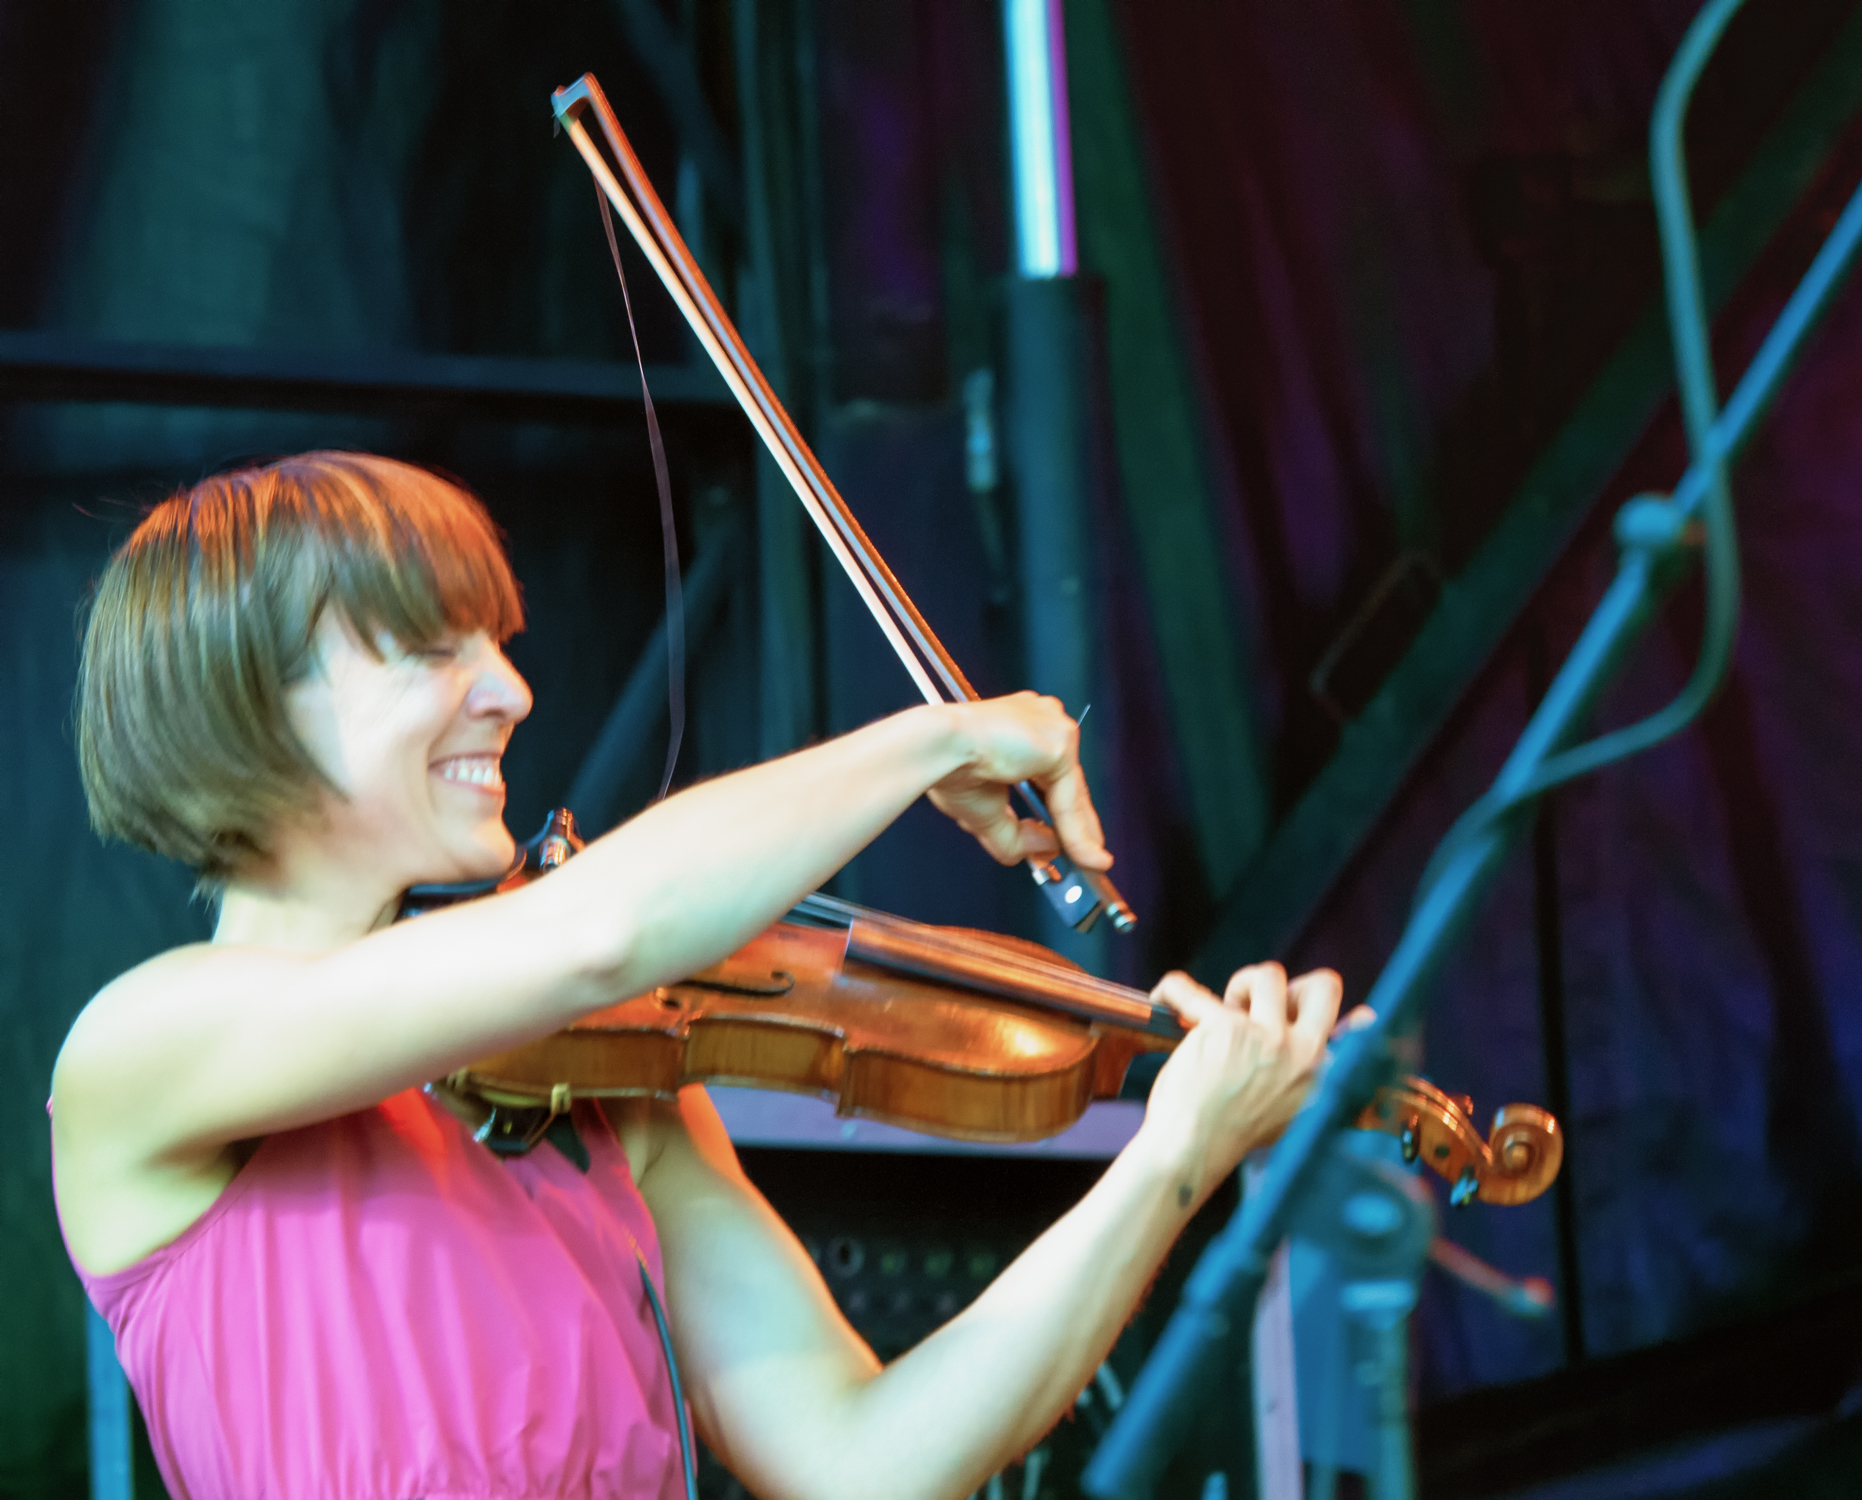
(672, 1372)
(675, 588)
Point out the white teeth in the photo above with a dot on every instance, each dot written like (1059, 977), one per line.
(477, 772)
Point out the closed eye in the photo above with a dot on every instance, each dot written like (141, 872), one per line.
(445, 649)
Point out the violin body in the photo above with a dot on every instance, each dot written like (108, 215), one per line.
(791, 1011)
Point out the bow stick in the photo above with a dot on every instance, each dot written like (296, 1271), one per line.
(1079, 896)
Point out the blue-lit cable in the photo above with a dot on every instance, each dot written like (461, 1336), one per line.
(1710, 502)
(1692, 336)
(1533, 769)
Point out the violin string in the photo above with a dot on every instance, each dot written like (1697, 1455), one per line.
(675, 587)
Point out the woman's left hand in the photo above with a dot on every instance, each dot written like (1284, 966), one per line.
(1242, 1072)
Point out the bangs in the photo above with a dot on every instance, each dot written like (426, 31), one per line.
(394, 547)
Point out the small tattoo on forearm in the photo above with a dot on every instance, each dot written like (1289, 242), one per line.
(1184, 1194)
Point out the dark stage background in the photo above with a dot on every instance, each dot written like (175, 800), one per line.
(1382, 350)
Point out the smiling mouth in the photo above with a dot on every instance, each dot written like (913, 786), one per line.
(481, 771)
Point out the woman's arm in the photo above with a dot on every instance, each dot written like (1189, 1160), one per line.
(209, 1045)
(796, 1403)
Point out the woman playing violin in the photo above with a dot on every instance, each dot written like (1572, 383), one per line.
(320, 1285)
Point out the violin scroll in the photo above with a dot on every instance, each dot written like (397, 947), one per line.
(1514, 1163)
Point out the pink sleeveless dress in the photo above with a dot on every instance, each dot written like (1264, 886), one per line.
(378, 1308)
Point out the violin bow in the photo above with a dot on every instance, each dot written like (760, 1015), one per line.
(1079, 896)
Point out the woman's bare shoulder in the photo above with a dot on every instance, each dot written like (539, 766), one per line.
(156, 974)
(118, 1199)
(151, 998)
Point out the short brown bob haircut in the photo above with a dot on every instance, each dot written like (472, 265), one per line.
(204, 618)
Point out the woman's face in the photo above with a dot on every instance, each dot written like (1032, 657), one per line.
(414, 741)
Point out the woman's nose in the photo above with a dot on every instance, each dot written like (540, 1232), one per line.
(499, 689)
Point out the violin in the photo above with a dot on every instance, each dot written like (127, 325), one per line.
(967, 1035)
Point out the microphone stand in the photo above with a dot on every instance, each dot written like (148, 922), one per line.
(1657, 537)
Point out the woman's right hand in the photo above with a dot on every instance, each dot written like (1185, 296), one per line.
(1023, 737)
